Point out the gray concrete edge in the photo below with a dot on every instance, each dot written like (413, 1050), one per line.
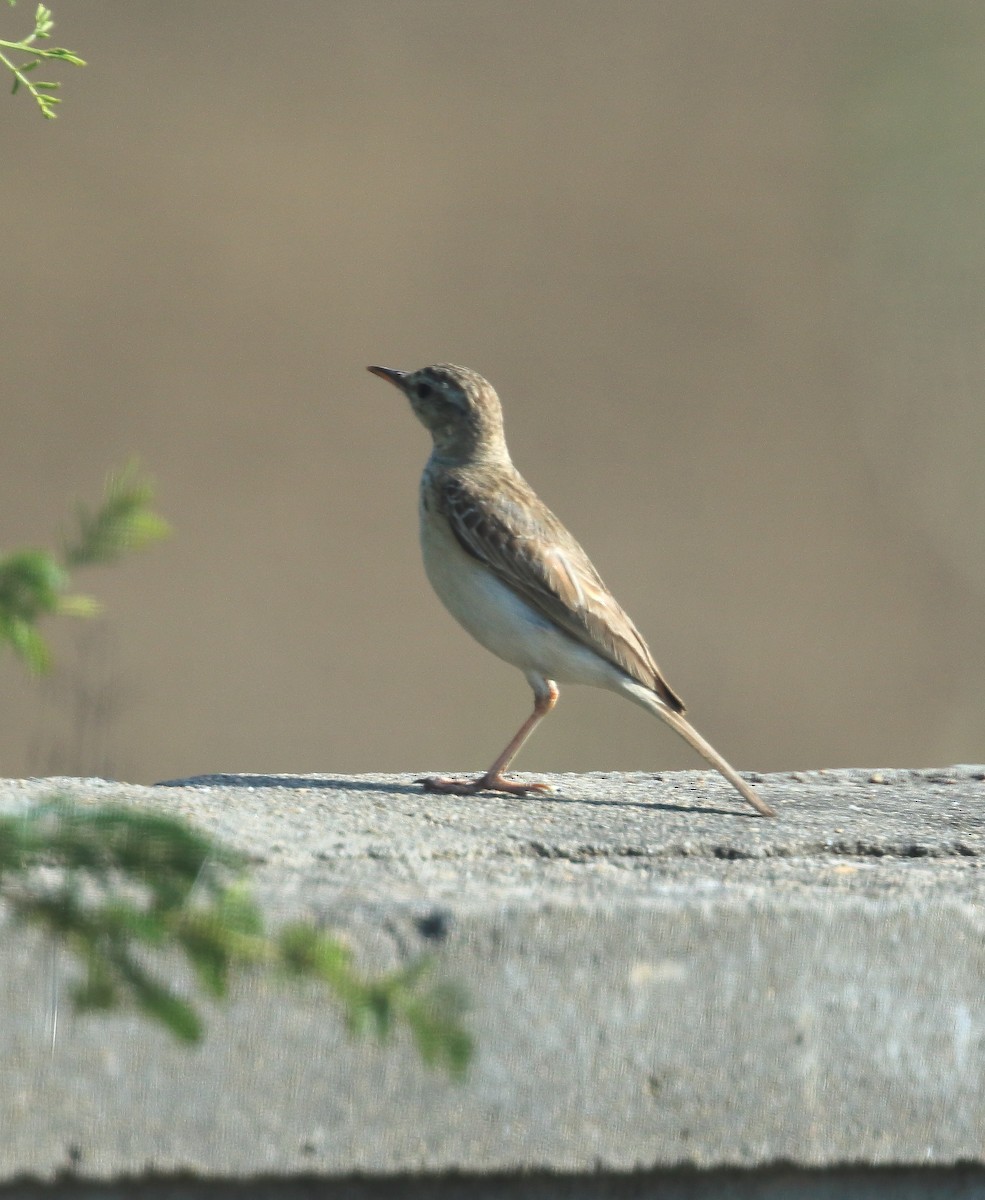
(628, 1017)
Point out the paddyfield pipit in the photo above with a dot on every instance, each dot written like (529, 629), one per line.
(508, 571)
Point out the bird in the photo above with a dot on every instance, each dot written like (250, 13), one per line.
(512, 575)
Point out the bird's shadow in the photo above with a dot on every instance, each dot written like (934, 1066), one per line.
(298, 782)
(332, 783)
(647, 806)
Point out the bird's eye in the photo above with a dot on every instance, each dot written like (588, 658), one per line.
(422, 390)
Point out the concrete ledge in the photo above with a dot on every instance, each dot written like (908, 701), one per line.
(659, 979)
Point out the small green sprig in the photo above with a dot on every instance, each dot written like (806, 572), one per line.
(41, 90)
(34, 583)
(32, 586)
(124, 521)
(120, 885)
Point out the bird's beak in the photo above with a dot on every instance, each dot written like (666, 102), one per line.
(390, 375)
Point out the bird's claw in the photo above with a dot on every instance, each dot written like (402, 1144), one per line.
(485, 783)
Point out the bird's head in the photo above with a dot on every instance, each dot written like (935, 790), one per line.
(459, 407)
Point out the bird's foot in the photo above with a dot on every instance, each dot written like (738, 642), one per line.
(485, 783)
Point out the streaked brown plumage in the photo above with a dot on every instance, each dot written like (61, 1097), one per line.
(515, 578)
(500, 520)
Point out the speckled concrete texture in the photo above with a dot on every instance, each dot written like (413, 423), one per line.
(658, 978)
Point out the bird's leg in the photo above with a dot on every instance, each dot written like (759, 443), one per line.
(545, 697)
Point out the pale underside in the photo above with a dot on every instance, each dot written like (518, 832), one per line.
(512, 575)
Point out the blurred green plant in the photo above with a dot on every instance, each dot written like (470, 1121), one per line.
(115, 884)
(34, 583)
(34, 55)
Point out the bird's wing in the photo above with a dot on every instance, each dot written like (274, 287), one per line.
(513, 532)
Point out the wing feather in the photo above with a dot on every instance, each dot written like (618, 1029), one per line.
(512, 531)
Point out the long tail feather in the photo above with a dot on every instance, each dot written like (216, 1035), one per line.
(707, 751)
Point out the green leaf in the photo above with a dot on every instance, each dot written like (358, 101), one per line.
(435, 1022)
(98, 992)
(124, 521)
(237, 912)
(79, 606)
(304, 950)
(64, 55)
(31, 582)
(161, 1003)
(26, 643)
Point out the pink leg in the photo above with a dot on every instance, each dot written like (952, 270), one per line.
(545, 697)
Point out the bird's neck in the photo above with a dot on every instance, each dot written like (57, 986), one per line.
(488, 451)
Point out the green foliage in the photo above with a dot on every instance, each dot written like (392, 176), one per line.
(115, 885)
(33, 583)
(128, 883)
(123, 522)
(432, 1014)
(34, 55)
(31, 586)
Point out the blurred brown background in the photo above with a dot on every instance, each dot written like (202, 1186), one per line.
(724, 262)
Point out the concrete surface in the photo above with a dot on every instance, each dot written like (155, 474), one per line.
(659, 980)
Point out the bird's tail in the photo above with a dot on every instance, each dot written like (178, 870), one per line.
(681, 725)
